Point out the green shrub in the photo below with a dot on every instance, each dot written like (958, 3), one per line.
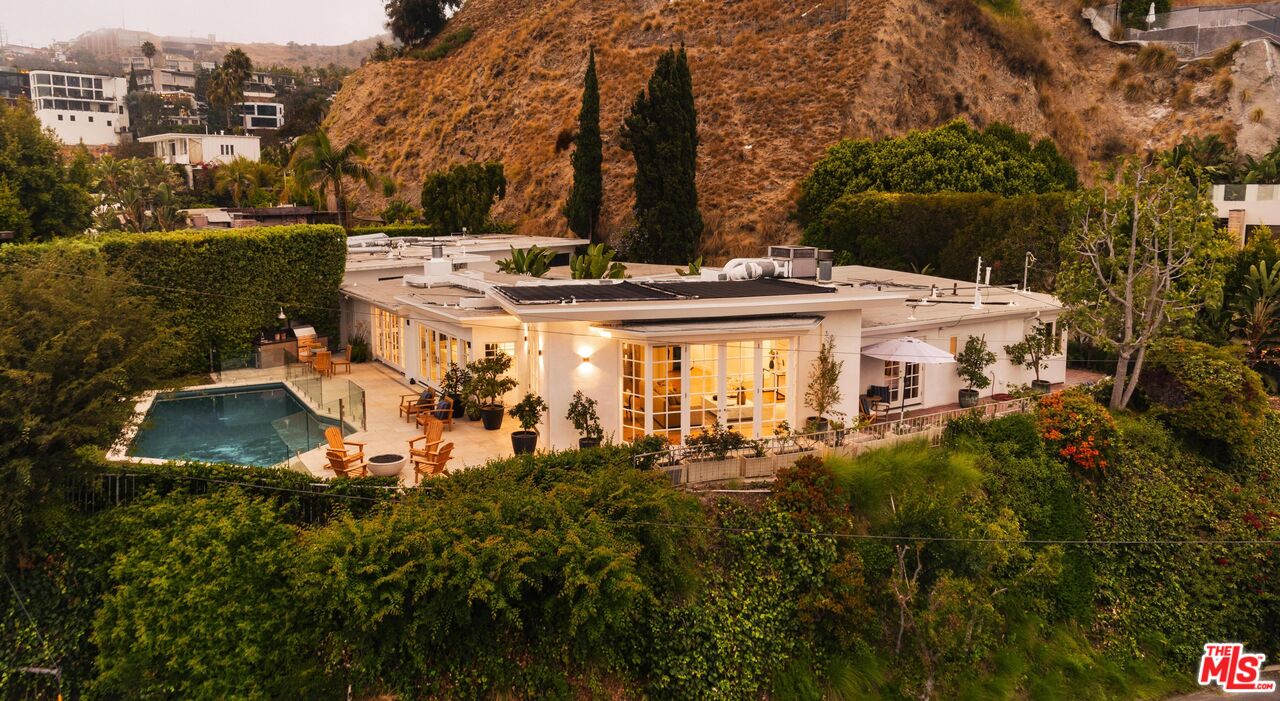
(946, 231)
(1205, 392)
(203, 605)
(447, 45)
(222, 287)
(951, 158)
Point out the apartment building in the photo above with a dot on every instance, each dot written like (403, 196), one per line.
(80, 108)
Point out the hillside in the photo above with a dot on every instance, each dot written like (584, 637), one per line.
(775, 83)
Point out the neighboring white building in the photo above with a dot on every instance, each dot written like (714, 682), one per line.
(80, 108)
(261, 115)
(668, 355)
(1244, 207)
(198, 151)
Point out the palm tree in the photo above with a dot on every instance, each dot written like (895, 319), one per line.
(1256, 317)
(317, 163)
(148, 50)
(239, 178)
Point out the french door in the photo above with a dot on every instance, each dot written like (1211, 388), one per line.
(679, 390)
(903, 381)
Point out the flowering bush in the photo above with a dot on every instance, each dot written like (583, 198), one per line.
(1077, 429)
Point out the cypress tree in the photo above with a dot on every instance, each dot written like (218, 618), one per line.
(661, 133)
(583, 208)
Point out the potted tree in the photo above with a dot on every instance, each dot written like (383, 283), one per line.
(1031, 353)
(488, 384)
(971, 365)
(582, 412)
(824, 387)
(454, 385)
(529, 413)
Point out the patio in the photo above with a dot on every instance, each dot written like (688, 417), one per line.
(386, 432)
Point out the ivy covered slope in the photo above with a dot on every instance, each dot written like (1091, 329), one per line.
(221, 287)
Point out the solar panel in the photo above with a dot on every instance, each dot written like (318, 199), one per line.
(733, 289)
(658, 291)
(557, 294)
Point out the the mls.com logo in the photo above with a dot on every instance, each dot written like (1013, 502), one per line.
(1235, 670)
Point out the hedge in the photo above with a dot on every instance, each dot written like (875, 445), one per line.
(223, 287)
(946, 231)
(395, 230)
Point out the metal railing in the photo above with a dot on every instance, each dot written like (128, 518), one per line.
(333, 398)
(789, 443)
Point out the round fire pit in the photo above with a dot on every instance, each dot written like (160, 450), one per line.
(387, 464)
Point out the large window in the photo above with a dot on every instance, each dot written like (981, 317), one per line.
(668, 394)
(744, 385)
(633, 391)
(387, 337)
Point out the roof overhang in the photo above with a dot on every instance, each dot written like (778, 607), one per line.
(715, 329)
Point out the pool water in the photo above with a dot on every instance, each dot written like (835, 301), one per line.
(262, 425)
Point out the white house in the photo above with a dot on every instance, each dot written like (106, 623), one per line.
(80, 108)
(1246, 207)
(198, 151)
(668, 355)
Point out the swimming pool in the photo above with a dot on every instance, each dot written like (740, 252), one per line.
(258, 425)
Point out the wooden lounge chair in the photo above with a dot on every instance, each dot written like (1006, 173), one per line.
(433, 465)
(442, 412)
(342, 467)
(428, 443)
(338, 447)
(413, 405)
(323, 363)
(343, 362)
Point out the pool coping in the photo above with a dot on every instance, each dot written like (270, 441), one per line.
(119, 451)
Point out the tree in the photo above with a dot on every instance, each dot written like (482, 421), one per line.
(1142, 256)
(1255, 315)
(587, 196)
(226, 87)
(596, 264)
(1032, 350)
(415, 22)
(76, 344)
(190, 567)
(318, 163)
(400, 212)
(242, 178)
(661, 133)
(136, 190)
(148, 50)
(951, 158)
(461, 197)
(972, 362)
(43, 200)
(824, 392)
(146, 112)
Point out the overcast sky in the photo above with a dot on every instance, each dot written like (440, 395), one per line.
(39, 22)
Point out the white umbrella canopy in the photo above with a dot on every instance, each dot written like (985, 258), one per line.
(907, 350)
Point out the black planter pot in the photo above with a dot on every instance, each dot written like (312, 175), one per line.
(585, 443)
(523, 442)
(968, 398)
(459, 406)
(1041, 386)
(492, 417)
(816, 424)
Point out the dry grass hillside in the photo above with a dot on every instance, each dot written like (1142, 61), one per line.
(775, 82)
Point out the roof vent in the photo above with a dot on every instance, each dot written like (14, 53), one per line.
(800, 261)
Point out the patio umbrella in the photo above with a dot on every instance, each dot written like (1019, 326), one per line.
(907, 350)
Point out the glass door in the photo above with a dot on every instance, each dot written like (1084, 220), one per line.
(902, 379)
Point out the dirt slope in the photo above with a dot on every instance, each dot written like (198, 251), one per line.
(775, 83)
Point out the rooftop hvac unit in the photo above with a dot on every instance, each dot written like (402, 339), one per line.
(801, 261)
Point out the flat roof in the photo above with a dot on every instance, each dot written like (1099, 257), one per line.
(178, 135)
(656, 291)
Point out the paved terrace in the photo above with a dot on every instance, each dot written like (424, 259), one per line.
(386, 432)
